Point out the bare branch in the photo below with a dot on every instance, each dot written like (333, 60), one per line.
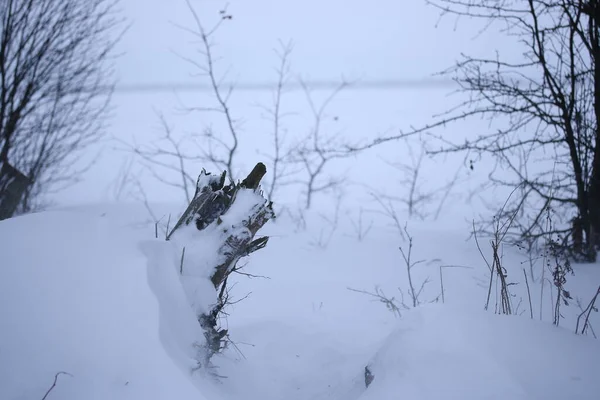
(314, 152)
(389, 302)
(55, 382)
(55, 88)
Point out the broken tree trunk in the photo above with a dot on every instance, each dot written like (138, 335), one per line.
(236, 212)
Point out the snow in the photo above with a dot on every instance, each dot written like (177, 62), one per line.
(91, 292)
(75, 296)
(193, 254)
(439, 352)
(246, 201)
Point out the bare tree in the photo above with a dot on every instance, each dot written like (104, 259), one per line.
(551, 104)
(410, 264)
(169, 158)
(215, 149)
(330, 222)
(411, 178)
(55, 87)
(417, 199)
(120, 187)
(280, 159)
(544, 109)
(317, 150)
(360, 227)
(389, 210)
(303, 162)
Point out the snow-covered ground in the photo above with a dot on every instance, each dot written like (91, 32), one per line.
(90, 292)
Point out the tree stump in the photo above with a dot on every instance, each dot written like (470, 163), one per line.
(210, 207)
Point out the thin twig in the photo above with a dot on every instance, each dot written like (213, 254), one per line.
(54, 383)
(442, 277)
(528, 294)
(167, 229)
(181, 262)
(587, 312)
(389, 302)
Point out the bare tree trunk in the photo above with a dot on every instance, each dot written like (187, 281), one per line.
(13, 185)
(550, 101)
(593, 194)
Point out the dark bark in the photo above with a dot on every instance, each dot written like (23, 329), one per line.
(13, 185)
(55, 86)
(253, 179)
(549, 108)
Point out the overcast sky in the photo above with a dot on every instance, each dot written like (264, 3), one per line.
(365, 40)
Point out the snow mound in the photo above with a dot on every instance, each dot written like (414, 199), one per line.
(77, 295)
(291, 361)
(439, 352)
(91, 293)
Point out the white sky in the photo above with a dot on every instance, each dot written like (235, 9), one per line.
(370, 40)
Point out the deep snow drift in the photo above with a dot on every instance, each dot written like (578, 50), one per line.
(444, 353)
(75, 297)
(90, 292)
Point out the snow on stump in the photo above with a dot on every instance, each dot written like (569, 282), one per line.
(216, 230)
(13, 184)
